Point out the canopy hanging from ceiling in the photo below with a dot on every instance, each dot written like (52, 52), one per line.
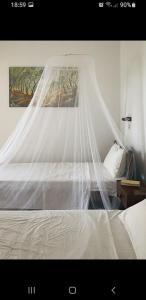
(53, 159)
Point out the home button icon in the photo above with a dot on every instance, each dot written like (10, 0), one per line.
(72, 290)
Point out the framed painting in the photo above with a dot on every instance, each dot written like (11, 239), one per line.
(62, 92)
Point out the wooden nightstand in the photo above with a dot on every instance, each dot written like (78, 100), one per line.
(130, 195)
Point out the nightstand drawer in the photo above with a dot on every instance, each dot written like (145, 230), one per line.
(130, 195)
(140, 193)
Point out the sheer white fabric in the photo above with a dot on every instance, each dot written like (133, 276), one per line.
(133, 95)
(52, 158)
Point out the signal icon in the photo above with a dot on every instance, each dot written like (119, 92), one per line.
(116, 5)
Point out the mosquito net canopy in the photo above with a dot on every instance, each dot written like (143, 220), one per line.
(54, 158)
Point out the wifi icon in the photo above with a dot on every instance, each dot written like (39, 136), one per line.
(108, 4)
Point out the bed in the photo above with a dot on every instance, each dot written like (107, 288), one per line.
(92, 234)
(51, 177)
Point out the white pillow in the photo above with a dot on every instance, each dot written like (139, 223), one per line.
(115, 161)
(134, 220)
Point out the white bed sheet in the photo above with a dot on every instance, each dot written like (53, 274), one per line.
(55, 182)
(63, 235)
(56, 172)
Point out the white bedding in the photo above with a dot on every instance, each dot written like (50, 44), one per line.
(97, 234)
(59, 172)
(54, 178)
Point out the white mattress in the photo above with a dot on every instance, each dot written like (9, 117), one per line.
(63, 235)
(57, 172)
(51, 183)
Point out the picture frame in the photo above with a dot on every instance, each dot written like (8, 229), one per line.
(63, 90)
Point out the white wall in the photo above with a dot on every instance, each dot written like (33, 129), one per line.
(35, 53)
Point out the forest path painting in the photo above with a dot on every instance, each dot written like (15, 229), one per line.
(63, 90)
(22, 84)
